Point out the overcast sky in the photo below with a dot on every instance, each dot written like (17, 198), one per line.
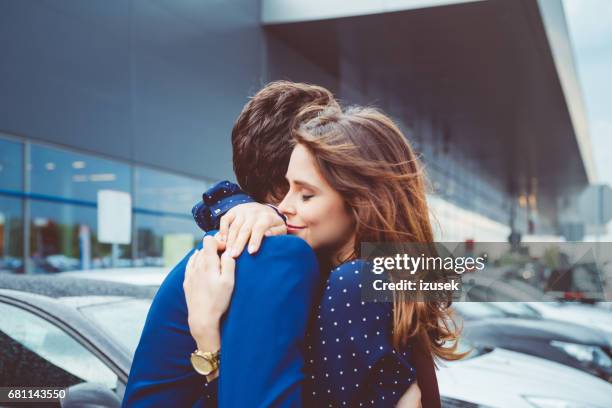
(590, 25)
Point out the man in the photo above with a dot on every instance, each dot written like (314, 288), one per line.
(265, 362)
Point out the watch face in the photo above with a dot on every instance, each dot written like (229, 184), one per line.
(201, 365)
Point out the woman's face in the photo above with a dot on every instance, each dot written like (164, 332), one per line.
(315, 211)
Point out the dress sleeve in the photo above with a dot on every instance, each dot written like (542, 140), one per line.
(215, 202)
(356, 362)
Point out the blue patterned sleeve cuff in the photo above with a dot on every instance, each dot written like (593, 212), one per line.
(216, 201)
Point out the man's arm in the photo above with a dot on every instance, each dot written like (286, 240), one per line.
(161, 374)
(263, 334)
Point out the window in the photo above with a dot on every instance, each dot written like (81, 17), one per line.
(63, 237)
(37, 353)
(11, 166)
(163, 241)
(165, 229)
(63, 174)
(165, 192)
(11, 206)
(11, 234)
(62, 217)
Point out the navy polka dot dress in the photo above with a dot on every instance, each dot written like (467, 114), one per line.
(349, 357)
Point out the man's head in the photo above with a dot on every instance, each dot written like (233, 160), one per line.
(262, 136)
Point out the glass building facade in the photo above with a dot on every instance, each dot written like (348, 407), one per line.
(48, 210)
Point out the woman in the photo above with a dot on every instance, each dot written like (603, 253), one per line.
(354, 178)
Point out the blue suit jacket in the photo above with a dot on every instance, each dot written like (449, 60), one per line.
(261, 336)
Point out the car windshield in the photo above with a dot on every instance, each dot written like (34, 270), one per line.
(123, 320)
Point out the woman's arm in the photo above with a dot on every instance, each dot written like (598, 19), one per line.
(208, 286)
(411, 398)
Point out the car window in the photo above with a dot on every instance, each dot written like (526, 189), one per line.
(35, 352)
(125, 331)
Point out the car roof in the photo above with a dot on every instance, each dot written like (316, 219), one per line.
(61, 286)
(149, 276)
(544, 329)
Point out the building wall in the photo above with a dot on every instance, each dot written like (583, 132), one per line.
(140, 96)
(124, 78)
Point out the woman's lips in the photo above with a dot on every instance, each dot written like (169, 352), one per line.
(294, 228)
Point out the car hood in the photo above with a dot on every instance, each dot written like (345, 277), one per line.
(501, 378)
(541, 329)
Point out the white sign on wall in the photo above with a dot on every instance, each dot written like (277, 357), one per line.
(114, 217)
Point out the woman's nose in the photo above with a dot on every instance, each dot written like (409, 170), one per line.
(285, 206)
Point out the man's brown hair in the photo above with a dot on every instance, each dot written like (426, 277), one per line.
(261, 137)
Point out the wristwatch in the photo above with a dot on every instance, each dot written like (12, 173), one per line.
(205, 362)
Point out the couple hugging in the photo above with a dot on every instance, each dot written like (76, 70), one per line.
(282, 323)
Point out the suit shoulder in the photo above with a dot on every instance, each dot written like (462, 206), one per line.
(287, 243)
(287, 252)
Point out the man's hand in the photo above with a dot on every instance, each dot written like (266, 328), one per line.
(411, 398)
(249, 220)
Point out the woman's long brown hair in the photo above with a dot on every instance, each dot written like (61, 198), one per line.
(365, 157)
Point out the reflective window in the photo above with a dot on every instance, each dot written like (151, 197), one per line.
(69, 175)
(37, 353)
(164, 238)
(11, 165)
(163, 241)
(63, 237)
(11, 234)
(165, 192)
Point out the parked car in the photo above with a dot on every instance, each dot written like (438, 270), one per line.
(576, 312)
(497, 378)
(63, 332)
(577, 346)
(485, 289)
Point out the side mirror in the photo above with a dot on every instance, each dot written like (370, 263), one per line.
(90, 395)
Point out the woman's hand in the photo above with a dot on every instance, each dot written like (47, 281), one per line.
(250, 220)
(411, 398)
(208, 285)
